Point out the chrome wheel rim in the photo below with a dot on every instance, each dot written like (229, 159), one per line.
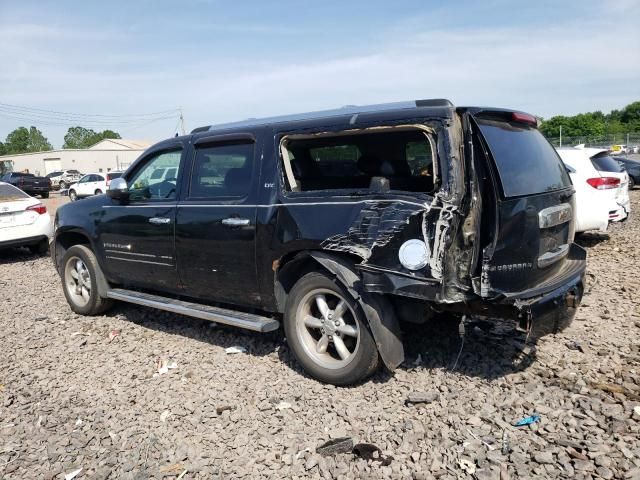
(327, 329)
(72, 196)
(77, 281)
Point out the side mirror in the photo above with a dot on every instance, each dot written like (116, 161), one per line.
(118, 189)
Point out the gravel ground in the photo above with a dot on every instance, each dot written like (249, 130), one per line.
(85, 393)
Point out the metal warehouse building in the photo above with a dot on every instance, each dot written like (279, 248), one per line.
(104, 156)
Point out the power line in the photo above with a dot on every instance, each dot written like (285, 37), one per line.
(57, 113)
(41, 118)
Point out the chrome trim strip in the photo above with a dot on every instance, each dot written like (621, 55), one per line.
(296, 204)
(133, 253)
(552, 216)
(140, 261)
(553, 256)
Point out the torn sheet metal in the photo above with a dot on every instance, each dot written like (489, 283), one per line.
(376, 225)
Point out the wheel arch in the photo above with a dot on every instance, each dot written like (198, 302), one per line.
(377, 309)
(69, 238)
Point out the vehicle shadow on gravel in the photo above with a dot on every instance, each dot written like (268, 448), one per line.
(257, 344)
(591, 239)
(487, 352)
(18, 255)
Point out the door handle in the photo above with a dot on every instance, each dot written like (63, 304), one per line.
(235, 222)
(159, 220)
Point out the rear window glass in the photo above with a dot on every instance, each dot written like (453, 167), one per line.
(9, 192)
(604, 163)
(111, 176)
(526, 162)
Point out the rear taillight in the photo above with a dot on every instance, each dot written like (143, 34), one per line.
(524, 118)
(39, 208)
(604, 183)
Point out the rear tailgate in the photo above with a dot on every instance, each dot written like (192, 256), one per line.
(532, 246)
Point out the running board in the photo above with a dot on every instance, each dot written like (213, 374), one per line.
(248, 321)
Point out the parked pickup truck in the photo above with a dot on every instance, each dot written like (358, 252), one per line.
(341, 226)
(29, 183)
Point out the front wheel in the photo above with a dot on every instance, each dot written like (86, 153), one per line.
(79, 281)
(73, 196)
(327, 331)
(62, 185)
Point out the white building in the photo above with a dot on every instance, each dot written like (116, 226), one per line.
(104, 156)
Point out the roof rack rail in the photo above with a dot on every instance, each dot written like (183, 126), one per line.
(346, 110)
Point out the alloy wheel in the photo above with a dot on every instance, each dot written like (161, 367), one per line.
(327, 328)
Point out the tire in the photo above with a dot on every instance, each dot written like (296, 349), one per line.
(632, 183)
(44, 194)
(81, 289)
(73, 196)
(314, 342)
(62, 185)
(40, 248)
(98, 192)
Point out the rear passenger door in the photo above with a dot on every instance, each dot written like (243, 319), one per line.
(216, 221)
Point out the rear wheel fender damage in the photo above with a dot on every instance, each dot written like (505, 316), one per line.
(377, 309)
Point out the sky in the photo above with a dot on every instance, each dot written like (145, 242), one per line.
(129, 66)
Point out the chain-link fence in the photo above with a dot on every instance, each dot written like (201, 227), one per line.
(601, 141)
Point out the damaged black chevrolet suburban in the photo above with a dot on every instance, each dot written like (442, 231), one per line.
(341, 225)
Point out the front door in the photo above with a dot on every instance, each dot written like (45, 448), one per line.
(137, 236)
(216, 223)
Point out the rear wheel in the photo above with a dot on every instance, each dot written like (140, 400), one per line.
(44, 194)
(327, 332)
(79, 281)
(632, 183)
(98, 192)
(62, 185)
(73, 196)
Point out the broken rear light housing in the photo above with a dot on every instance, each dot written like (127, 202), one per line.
(604, 183)
(39, 208)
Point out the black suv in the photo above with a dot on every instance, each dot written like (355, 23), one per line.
(341, 224)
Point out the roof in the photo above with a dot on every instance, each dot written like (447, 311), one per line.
(441, 106)
(120, 143)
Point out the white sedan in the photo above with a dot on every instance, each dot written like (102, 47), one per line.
(602, 194)
(24, 221)
(91, 184)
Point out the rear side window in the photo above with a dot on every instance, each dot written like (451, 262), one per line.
(222, 170)
(350, 161)
(526, 162)
(604, 163)
(9, 192)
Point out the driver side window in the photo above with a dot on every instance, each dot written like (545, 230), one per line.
(151, 182)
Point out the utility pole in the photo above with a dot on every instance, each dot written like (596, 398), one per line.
(182, 121)
(561, 135)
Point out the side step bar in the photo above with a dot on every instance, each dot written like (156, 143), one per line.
(249, 321)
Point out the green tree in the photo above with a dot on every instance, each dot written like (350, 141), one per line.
(25, 140)
(80, 137)
(3, 149)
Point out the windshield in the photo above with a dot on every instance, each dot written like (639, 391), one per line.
(604, 163)
(526, 161)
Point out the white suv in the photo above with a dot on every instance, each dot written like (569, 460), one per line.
(91, 184)
(602, 193)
